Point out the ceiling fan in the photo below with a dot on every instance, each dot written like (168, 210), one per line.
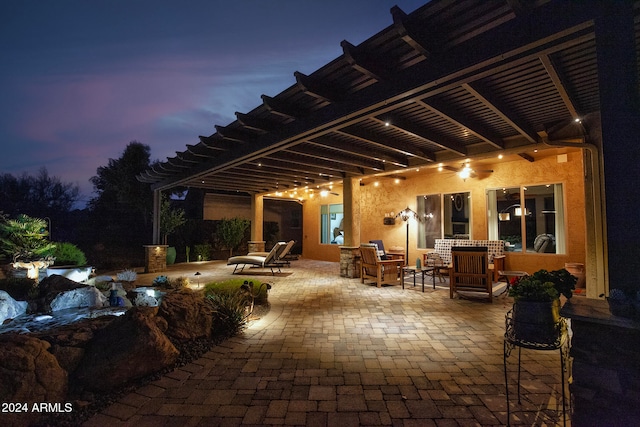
(465, 171)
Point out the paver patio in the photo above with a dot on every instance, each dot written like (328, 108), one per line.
(335, 352)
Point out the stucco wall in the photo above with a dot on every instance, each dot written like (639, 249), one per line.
(394, 196)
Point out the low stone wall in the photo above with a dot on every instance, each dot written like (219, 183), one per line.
(606, 365)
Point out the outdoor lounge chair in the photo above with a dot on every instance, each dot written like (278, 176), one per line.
(283, 253)
(268, 261)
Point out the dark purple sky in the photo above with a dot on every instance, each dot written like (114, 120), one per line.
(80, 79)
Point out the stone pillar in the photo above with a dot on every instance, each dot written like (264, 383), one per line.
(257, 220)
(350, 261)
(256, 246)
(155, 258)
(351, 206)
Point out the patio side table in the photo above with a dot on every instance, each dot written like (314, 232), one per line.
(415, 271)
(561, 343)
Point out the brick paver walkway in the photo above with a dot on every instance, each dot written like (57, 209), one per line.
(335, 352)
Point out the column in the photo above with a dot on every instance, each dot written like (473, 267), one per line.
(617, 74)
(256, 244)
(350, 252)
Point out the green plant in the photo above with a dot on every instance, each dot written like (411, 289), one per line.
(229, 313)
(231, 286)
(170, 218)
(202, 252)
(529, 289)
(68, 254)
(231, 232)
(563, 281)
(24, 238)
(543, 285)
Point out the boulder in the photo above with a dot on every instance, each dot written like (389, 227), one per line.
(188, 314)
(49, 288)
(68, 342)
(130, 347)
(10, 308)
(29, 374)
(86, 296)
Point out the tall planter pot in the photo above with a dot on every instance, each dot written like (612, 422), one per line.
(536, 322)
(171, 255)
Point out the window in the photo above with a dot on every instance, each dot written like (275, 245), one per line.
(445, 215)
(529, 219)
(331, 224)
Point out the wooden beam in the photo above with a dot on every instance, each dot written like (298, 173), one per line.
(337, 157)
(315, 89)
(278, 108)
(371, 153)
(409, 36)
(383, 143)
(363, 62)
(496, 106)
(462, 121)
(560, 87)
(428, 136)
(255, 124)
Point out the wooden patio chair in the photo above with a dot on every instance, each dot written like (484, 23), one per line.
(380, 271)
(470, 272)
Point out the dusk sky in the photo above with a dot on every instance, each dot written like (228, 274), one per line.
(80, 79)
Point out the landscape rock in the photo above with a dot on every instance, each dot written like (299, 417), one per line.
(86, 296)
(130, 347)
(188, 315)
(29, 374)
(10, 308)
(68, 342)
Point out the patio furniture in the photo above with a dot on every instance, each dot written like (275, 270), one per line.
(380, 271)
(470, 272)
(433, 259)
(268, 261)
(415, 270)
(495, 248)
(561, 342)
(282, 255)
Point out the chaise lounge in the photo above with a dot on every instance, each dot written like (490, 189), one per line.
(271, 260)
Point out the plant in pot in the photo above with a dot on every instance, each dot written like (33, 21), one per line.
(170, 220)
(536, 308)
(24, 240)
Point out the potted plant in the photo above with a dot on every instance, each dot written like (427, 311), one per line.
(24, 239)
(170, 220)
(536, 308)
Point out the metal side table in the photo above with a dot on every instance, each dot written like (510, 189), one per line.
(561, 342)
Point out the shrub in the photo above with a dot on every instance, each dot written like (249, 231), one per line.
(234, 285)
(229, 313)
(127, 276)
(24, 238)
(202, 252)
(161, 281)
(68, 254)
(180, 282)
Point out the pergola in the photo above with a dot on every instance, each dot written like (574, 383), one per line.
(454, 80)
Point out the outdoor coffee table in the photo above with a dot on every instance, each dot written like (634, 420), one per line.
(418, 270)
